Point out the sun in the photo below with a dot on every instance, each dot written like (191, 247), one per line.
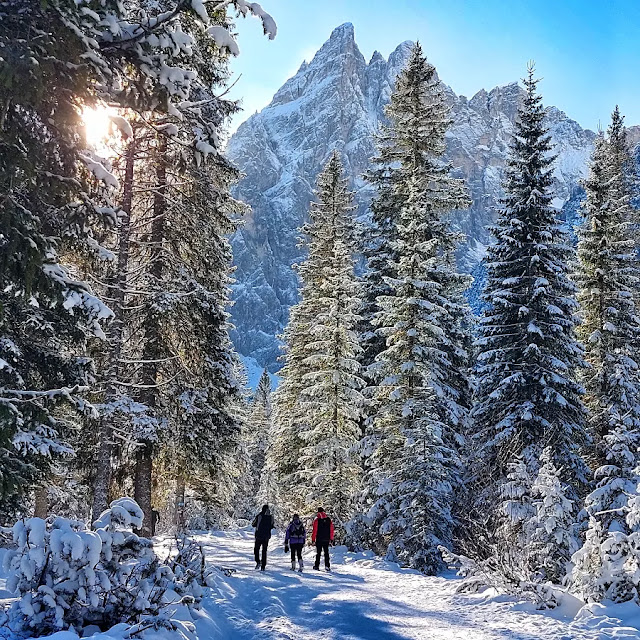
(97, 124)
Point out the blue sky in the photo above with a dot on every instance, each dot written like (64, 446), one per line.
(586, 51)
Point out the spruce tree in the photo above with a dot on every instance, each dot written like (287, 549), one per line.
(324, 366)
(551, 537)
(421, 391)
(331, 397)
(49, 209)
(257, 437)
(608, 278)
(528, 397)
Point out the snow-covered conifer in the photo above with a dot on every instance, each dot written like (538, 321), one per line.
(516, 503)
(551, 537)
(329, 401)
(528, 397)
(260, 422)
(48, 208)
(257, 435)
(607, 277)
(421, 392)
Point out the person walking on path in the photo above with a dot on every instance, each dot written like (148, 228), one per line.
(263, 524)
(295, 537)
(322, 537)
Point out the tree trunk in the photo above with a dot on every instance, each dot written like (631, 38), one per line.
(143, 488)
(102, 480)
(180, 495)
(152, 350)
(41, 509)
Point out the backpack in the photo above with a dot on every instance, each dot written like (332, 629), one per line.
(297, 530)
(323, 532)
(264, 524)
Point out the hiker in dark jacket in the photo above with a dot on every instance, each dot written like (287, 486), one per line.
(322, 537)
(295, 537)
(263, 524)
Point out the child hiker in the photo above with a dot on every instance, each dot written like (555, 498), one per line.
(295, 537)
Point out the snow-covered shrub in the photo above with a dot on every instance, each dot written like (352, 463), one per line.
(189, 566)
(68, 576)
(608, 564)
(503, 575)
(550, 533)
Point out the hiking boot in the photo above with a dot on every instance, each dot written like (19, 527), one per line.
(300, 565)
(316, 567)
(293, 565)
(327, 568)
(262, 569)
(257, 565)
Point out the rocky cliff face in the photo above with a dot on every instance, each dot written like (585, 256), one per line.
(336, 102)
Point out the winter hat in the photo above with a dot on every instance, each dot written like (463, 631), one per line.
(320, 510)
(265, 508)
(296, 516)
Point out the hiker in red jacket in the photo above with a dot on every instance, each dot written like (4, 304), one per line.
(322, 536)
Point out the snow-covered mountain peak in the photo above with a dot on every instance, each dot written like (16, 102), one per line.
(399, 56)
(337, 102)
(345, 33)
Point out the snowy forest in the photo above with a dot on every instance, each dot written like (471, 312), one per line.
(502, 441)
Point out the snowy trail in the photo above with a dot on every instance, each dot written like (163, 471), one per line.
(366, 599)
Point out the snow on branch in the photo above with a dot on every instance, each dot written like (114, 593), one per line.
(268, 23)
(100, 171)
(223, 39)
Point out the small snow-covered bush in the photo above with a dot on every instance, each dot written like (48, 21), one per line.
(68, 576)
(503, 575)
(608, 564)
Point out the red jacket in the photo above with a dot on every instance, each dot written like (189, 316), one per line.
(314, 534)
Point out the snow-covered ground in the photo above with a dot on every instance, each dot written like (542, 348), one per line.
(363, 598)
(366, 598)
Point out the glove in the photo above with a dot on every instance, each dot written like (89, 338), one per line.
(286, 548)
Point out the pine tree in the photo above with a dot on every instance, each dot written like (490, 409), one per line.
(269, 490)
(607, 277)
(528, 397)
(324, 365)
(551, 538)
(421, 392)
(260, 424)
(331, 398)
(257, 439)
(177, 273)
(205, 428)
(48, 208)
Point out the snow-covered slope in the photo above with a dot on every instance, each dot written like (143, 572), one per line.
(336, 102)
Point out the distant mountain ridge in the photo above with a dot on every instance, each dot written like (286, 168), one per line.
(336, 102)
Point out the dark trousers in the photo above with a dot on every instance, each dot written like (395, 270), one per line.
(296, 549)
(320, 547)
(256, 552)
